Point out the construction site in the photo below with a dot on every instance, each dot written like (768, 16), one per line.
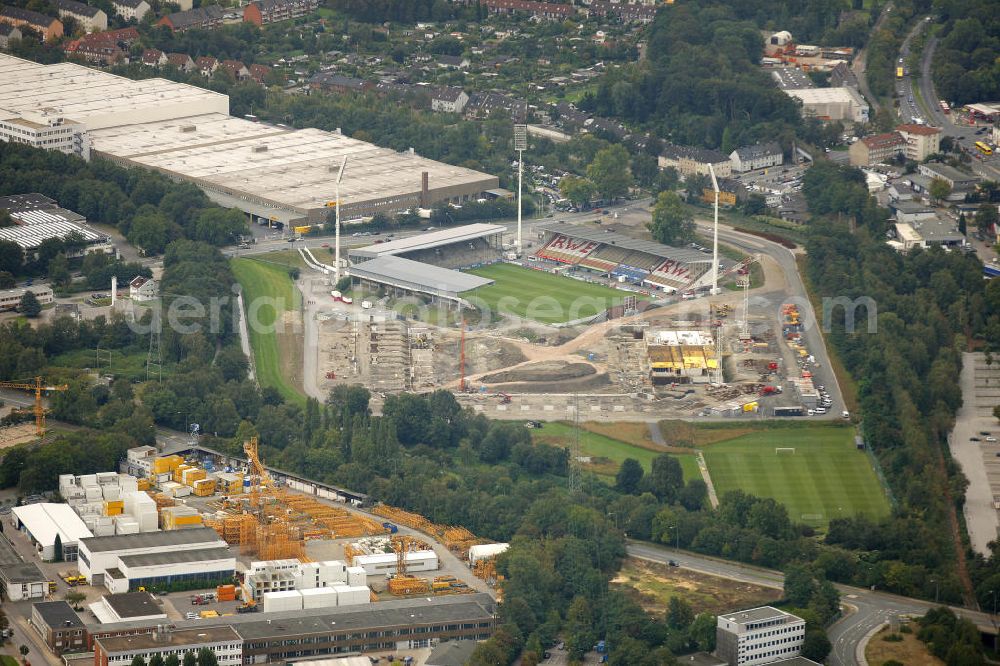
(738, 354)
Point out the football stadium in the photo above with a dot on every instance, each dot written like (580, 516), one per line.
(646, 263)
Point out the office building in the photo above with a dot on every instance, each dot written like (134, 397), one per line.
(59, 626)
(758, 636)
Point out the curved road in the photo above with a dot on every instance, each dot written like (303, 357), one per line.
(866, 610)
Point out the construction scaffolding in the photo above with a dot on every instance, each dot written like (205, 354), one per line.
(457, 539)
(402, 583)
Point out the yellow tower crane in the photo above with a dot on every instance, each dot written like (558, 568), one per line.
(38, 409)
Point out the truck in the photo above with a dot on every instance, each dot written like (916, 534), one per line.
(788, 411)
(390, 528)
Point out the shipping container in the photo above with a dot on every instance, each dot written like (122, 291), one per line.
(319, 597)
(352, 595)
(272, 602)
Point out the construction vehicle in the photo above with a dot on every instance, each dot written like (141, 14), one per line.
(39, 409)
(248, 607)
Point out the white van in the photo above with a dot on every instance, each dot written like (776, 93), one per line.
(820, 410)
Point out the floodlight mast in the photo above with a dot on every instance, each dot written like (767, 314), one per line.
(336, 258)
(715, 234)
(520, 145)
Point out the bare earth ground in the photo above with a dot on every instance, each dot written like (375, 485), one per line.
(654, 584)
(909, 651)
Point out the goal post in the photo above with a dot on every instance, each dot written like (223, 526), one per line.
(784, 449)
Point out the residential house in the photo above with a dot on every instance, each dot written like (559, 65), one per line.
(842, 76)
(628, 12)
(338, 83)
(96, 53)
(143, 289)
(757, 156)
(154, 58)
(272, 11)
(690, 161)
(546, 10)
(90, 18)
(9, 33)
(236, 68)
(259, 72)
(202, 17)
(131, 9)
(123, 38)
(730, 192)
(875, 149)
(452, 62)
(921, 141)
(449, 100)
(49, 28)
(485, 104)
(181, 61)
(206, 65)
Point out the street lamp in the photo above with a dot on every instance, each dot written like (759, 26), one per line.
(715, 235)
(520, 145)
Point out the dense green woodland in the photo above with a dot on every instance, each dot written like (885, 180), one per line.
(967, 60)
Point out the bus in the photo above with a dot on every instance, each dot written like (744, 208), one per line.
(899, 72)
(944, 106)
(983, 148)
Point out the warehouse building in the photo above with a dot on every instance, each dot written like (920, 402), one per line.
(10, 299)
(274, 174)
(52, 528)
(127, 607)
(38, 218)
(379, 564)
(20, 581)
(832, 104)
(121, 650)
(99, 555)
(213, 566)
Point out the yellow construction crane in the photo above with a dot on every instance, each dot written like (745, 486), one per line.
(38, 409)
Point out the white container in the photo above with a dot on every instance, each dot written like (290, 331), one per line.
(273, 602)
(66, 480)
(357, 576)
(94, 493)
(87, 480)
(182, 491)
(486, 551)
(107, 478)
(352, 595)
(90, 522)
(104, 530)
(112, 492)
(148, 523)
(163, 478)
(320, 597)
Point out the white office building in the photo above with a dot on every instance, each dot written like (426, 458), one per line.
(758, 636)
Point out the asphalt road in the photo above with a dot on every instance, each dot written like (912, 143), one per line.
(864, 609)
(909, 112)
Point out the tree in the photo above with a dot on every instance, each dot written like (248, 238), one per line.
(666, 478)
(190, 659)
(172, 660)
(799, 585)
(679, 613)
(816, 645)
(29, 304)
(58, 548)
(206, 657)
(629, 476)
(7, 280)
(610, 172)
(152, 231)
(58, 270)
(156, 660)
(138, 660)
(939, 189)
(74, 598)
(986, 217)
(962, 226)
(671, 223)
(24, 650)
(219, 226)
(578, 190)
(11, 257)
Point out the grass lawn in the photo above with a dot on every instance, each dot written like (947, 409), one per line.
(7, 660)
(260, 280)
(544, 297)
(290, 258)
(129, 363)
(825, 478)
(609, 453)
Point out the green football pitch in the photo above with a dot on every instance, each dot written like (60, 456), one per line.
(822, 477)
(543, 297)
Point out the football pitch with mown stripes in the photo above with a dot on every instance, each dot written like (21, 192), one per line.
(823, 477)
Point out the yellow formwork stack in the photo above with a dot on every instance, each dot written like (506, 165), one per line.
(143, 484)
(179, 517)
(114, 507)
(204, 487)
(179, 472)
(193, 474)
(166, 464)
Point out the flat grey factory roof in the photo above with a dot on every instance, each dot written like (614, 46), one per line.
(405, 607)
(164, 538)
(7, 553)
(21, 572)
(681, 254)
(373, 616)
(180, 638)
(429, 240)
(176, 557)
(133, 604)
(58, 613)
(406, 272)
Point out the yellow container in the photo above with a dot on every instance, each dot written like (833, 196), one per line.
(193, 474)
(187, 520)
(166, 464)
(204, 487)
(179, 473)
(143, 484)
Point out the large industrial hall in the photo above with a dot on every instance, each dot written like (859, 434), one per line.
(270, 172)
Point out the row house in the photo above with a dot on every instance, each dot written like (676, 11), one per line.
(50, 28)
(91, 19)
(262, 12)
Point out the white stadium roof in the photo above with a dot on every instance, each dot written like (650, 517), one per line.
(46, 519)
(415, 276)
(429, 240)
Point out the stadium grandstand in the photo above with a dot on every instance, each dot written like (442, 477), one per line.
(404, 277)
(461, 247)
(628, 259)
